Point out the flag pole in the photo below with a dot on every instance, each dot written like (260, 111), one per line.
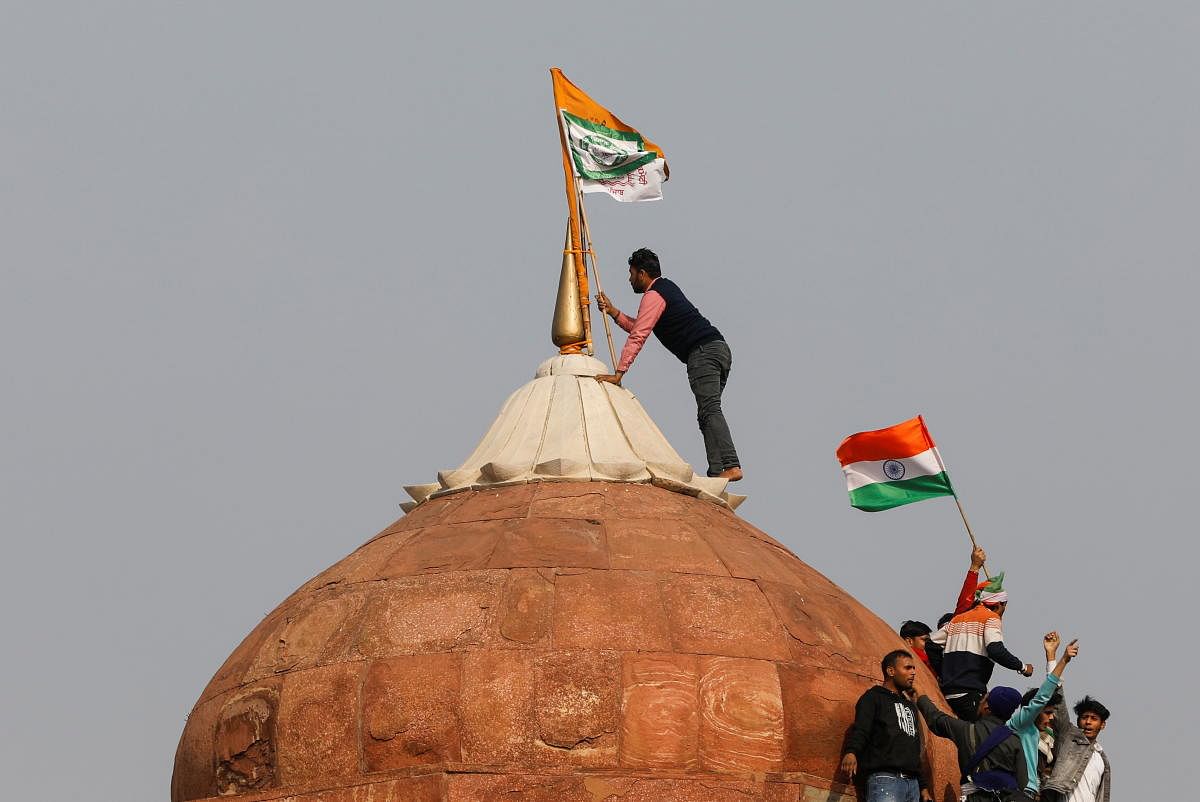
(576, 248)
(586, 244)
(953, 492)
(967, 524)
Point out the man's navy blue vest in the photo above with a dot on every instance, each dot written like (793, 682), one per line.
(681, 327)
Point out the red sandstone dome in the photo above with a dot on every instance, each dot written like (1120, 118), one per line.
(549, 641)
(554, 641)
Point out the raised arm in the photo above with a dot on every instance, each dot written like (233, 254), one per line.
(1062, 720)
(1069, 654)
(966, 596)
(1027, 713)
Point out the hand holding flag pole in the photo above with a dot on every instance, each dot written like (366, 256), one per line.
(586, 241)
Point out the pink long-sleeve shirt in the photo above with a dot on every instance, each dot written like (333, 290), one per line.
(639, 328)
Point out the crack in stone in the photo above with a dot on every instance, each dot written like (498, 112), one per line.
(586, 739)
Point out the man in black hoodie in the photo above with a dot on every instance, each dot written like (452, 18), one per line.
(885, 741)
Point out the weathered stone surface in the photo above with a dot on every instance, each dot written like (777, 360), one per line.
(493, 505)
(577, 706)
(719, 615)
(818, 709)
(195, 770)
(650, 544)
(619, 610)
(318, 732)
(361, 565)
(660, 711)
(496, 707)
(582, 787)
(569, 500)
(300, 640)
(244, 744)
(428, 788)
(410, 711)
(824, 628)
(551, 542)
(232, 672)
(741, 715)
(445, 547)
(604, 788)
(429, 514)
(431, 613)
(647, 501)
(527, 608)
(781, 792)
(709, 789)
(517, 788)
(749, 558)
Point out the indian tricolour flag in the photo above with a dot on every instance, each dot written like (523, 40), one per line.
(894, 466)
(605, 154)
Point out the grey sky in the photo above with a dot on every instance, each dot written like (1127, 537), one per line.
(264, 263)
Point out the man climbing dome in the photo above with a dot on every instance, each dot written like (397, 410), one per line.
(973, 642)
(688, 335)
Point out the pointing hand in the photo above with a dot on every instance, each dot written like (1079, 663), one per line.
(1072, 650)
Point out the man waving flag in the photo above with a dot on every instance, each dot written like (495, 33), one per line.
(891, 467)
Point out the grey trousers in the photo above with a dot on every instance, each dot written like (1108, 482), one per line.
(708, 368)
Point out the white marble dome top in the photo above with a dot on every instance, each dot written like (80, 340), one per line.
(566, 426)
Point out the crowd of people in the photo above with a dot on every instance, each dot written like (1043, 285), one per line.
(1010, 746)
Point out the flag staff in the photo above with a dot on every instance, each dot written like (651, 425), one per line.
(574, 227)
(957, 503)
(586, 244)
(967, 524)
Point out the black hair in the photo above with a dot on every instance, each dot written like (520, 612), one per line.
(945, 620)
(646, 259)
(1055, 697)
(1089, 705)
(889, 660)
(914, 629)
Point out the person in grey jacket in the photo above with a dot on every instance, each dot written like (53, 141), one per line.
(1081, 771)
(1003, 768)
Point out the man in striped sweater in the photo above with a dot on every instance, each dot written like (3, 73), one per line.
(973, 642)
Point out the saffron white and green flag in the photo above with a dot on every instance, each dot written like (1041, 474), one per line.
(891, 467)
(612, 161)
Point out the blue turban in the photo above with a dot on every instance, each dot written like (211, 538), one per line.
(1003, 701)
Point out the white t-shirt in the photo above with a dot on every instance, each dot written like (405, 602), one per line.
(1089, 784)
